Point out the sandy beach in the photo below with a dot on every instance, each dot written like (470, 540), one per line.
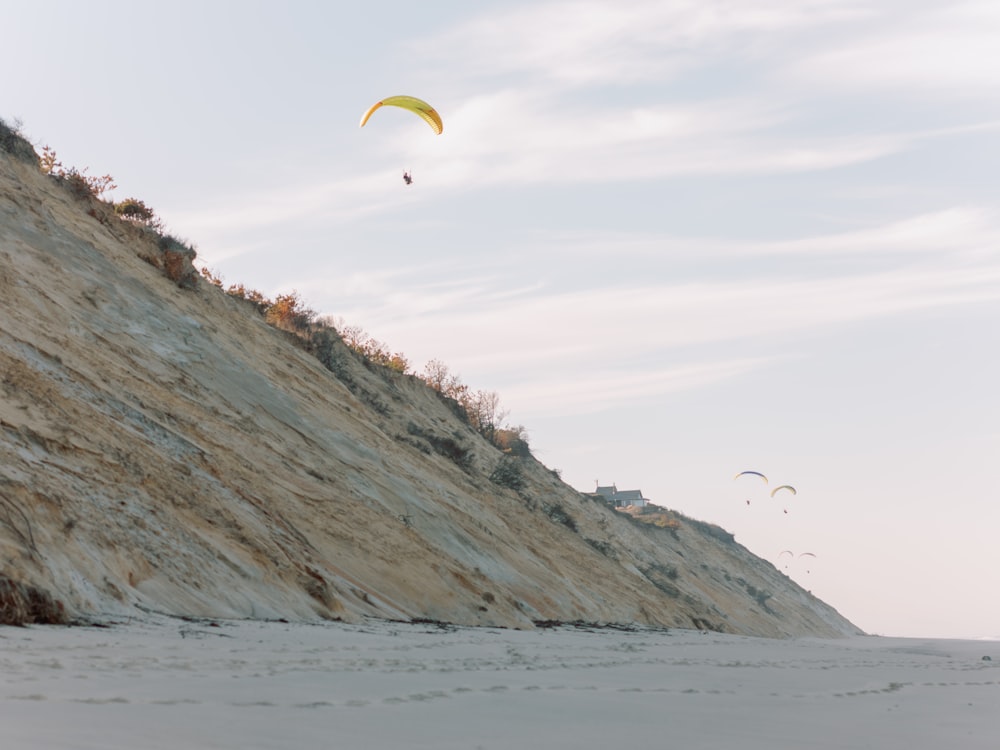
(168, 683)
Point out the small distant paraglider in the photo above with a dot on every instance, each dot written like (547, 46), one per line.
(419, 107)
(763, 477)
(788, 557)
(751, 473)
(787, 487)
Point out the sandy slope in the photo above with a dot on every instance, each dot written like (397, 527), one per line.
(161, 683)
(163, 449)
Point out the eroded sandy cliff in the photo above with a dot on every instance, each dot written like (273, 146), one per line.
(162, 447)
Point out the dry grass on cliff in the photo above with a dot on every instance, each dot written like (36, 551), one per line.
(21, 604)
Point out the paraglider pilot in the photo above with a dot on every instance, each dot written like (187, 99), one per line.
(407, 178)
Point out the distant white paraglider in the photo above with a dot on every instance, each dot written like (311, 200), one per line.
(788, 557)
(753, 474)
(807, 554)
(786, 487)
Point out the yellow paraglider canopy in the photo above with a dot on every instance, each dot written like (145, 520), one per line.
(418, 106)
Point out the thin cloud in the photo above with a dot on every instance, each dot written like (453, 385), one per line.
(547, 343)
(515, 138)
(590, 392)
(959, 230)
(948, 50)
(548, 351)
(560, 331)
(419, 290)
(596, 43)
(332, 200)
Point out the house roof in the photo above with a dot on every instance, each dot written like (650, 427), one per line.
(629, 495)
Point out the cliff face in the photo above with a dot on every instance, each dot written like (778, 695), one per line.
(162, 447)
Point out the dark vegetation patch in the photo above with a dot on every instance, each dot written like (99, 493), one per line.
(700, 623)
(24, 604)
(512, 442)
(508, 473)
(454, 406)
(177, 262)
(443, 445)
(15, 144)
(558, 513)
(758, 595)
(663, 577)
(605, 548)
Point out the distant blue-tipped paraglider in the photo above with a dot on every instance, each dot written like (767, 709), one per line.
(754, 473)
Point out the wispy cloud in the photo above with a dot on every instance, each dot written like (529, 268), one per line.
(946, 49)
(953, 233)
(595, 389)
(972, 231)
(331, 200)
(527, 112)
(621, 42)
(552, 352)
(553, 46)
(548, 343)
(513, 137)
(654, 316)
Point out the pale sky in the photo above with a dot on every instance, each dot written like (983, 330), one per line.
(679, 238)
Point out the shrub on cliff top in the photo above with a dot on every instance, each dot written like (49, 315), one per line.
(137, 212)
(81, 184)
(16, 144)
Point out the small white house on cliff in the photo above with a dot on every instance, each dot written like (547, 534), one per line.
(617, 498)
